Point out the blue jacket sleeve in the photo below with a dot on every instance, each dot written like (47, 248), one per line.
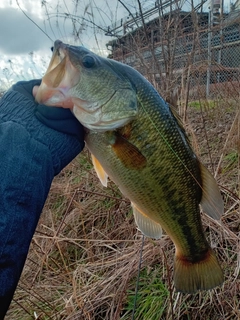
(31, 154)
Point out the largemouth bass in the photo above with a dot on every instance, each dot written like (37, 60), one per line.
(136, 140)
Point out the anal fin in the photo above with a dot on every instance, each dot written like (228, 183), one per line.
(211, 202)
(103, 177)
(146, 225)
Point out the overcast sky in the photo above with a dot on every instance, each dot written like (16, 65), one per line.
(25, 49)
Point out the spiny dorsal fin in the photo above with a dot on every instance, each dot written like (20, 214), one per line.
(212, 202)
(179, 122)
(103, 177)
(146, 225)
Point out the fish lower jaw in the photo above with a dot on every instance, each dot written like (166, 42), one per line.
(102, 126)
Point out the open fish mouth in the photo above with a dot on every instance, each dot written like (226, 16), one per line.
(60, 54)
(60, 77)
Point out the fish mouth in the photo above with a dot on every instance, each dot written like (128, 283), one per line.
(57, 65)
(58, 44)
(60, 77)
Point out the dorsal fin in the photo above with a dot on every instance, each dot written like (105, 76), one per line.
(211, 202)
(146, 225)
(179, 122)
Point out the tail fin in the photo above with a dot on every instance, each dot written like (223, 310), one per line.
(190, 277)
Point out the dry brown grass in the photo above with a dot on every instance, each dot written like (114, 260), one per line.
(84, 257)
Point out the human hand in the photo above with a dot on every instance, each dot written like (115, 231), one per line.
(56, 118)
(19, 109)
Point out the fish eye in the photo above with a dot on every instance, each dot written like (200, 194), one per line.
(88, 61)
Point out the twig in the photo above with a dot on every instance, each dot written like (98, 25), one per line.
(33, 21)
(137, 282)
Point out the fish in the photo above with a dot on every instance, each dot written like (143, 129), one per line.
(139, 142)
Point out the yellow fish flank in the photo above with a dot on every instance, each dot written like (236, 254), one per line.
(136, 140)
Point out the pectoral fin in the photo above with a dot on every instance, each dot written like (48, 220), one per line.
(146, 225)
(103, 177)
(129, 155)
(212, 202)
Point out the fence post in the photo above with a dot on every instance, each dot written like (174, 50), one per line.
(209, 55)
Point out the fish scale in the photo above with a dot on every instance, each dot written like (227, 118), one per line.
(137, 141)
(159, 178)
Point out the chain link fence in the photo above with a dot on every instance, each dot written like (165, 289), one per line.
(183, 53)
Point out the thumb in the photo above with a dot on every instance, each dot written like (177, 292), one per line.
(35, 90)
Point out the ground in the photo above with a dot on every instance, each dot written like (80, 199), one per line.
(84, 258)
